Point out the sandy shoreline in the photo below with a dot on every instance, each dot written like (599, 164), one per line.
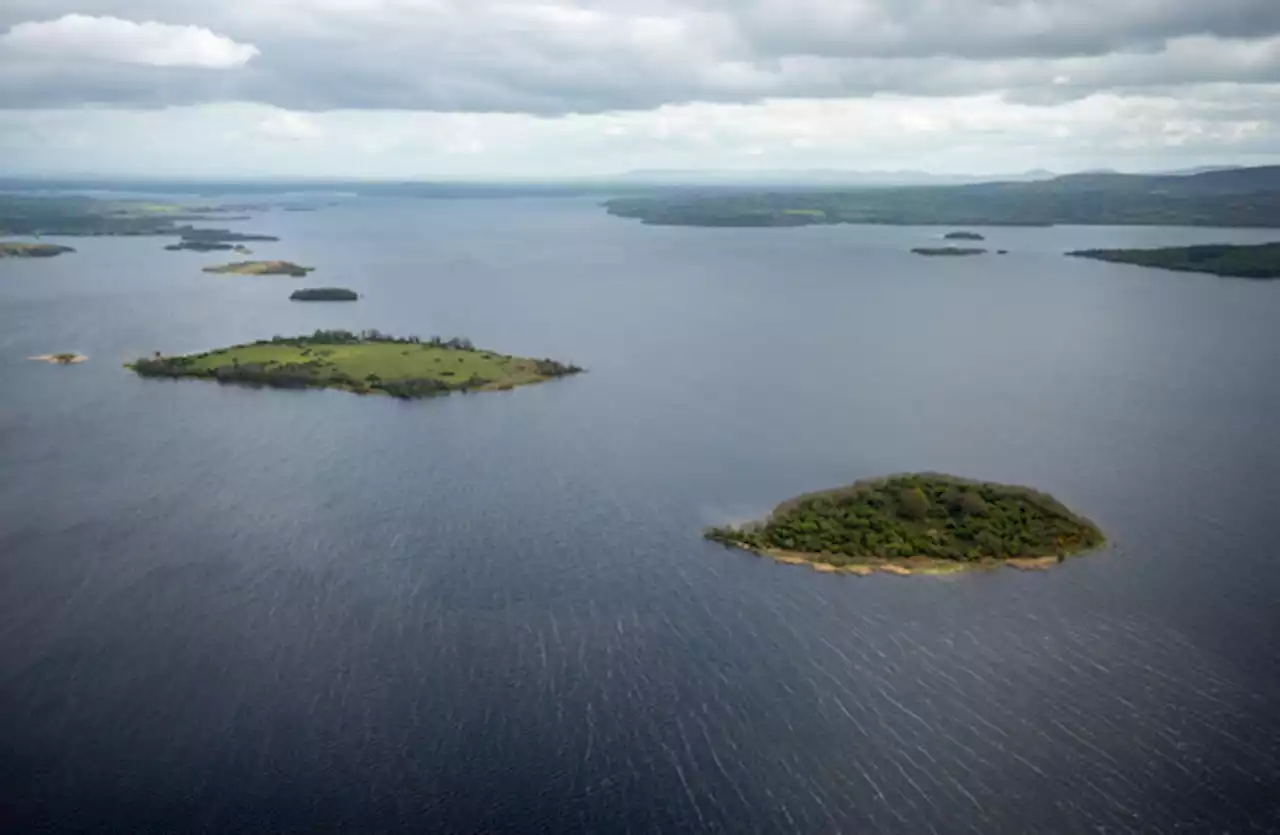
(904, 566)
(60, 359)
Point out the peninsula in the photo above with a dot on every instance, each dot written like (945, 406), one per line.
(324, 294)
(15, 249)
(935, 251)
(368, 362)
(261, 268)
(917, 523)
(1261, 261)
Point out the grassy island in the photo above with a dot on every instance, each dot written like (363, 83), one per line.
(324, 294)
(963, 236)
(1229, 260)
(917, 523)
(14, 249)
(936, 251)
(262, 268)
(365, 363)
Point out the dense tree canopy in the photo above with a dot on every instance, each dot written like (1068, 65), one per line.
(1239, 261)
(927, 515)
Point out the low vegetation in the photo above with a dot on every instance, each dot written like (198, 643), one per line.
(204, 246)
(15, 249)
(928, 518)
(262, 268)
(368, 362)
(324, 294)
(1229, 260)
(963, 236)
(935, 251)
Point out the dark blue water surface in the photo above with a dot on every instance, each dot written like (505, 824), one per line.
(225, 609)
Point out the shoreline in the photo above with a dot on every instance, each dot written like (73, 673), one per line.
(906, 566)
(60, 359)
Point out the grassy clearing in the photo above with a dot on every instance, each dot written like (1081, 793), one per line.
(262, 268)
(362, 364)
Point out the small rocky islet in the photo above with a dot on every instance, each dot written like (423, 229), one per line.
(324, 294)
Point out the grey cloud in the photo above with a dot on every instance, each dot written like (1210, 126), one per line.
(599, 55)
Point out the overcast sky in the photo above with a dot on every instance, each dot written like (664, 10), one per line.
(492, 88)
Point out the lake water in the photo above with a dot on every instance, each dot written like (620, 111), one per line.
(225, 609)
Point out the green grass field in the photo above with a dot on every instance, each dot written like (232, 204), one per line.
(366, 365)
(261, 268)
(390, 361)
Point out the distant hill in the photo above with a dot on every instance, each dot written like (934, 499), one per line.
(1220, 197)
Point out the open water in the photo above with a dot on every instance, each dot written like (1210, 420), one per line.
(235, 610)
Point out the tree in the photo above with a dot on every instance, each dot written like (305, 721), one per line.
(912, 503)
(971, 504)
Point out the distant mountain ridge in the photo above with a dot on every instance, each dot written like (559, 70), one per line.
(1248, 197)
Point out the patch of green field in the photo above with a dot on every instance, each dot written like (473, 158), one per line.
(390, 361)
(806, 212)
(402, 368)
(262, 268)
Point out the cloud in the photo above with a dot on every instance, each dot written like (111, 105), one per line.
(82, 38)
(294, 127)
(386, 86)
(1200, 125)
(552, 57)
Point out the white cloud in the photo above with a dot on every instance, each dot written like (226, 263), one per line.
(290, 126)
(1209, 124)
(77, 37)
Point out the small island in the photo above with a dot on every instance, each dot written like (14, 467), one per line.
(200, 246)
(368, 362)
(15, 249)
(65, 358)
(324, 294)
(917, 523)
(1259, 261)
(963, 236)
(262, 268)
(222, 236)
(935, 251)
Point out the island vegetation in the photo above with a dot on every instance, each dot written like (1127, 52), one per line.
(261, 268)
(1235, 197)
(17, 249)
(74, 215)
(944, 251)
(324, 294)
(963, 236)
(368, 362)
(924, 522)
(1260, 261)
(222, 236)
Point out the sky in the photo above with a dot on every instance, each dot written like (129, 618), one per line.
(478, 89)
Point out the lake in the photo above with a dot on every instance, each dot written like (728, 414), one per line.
(227, 609)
